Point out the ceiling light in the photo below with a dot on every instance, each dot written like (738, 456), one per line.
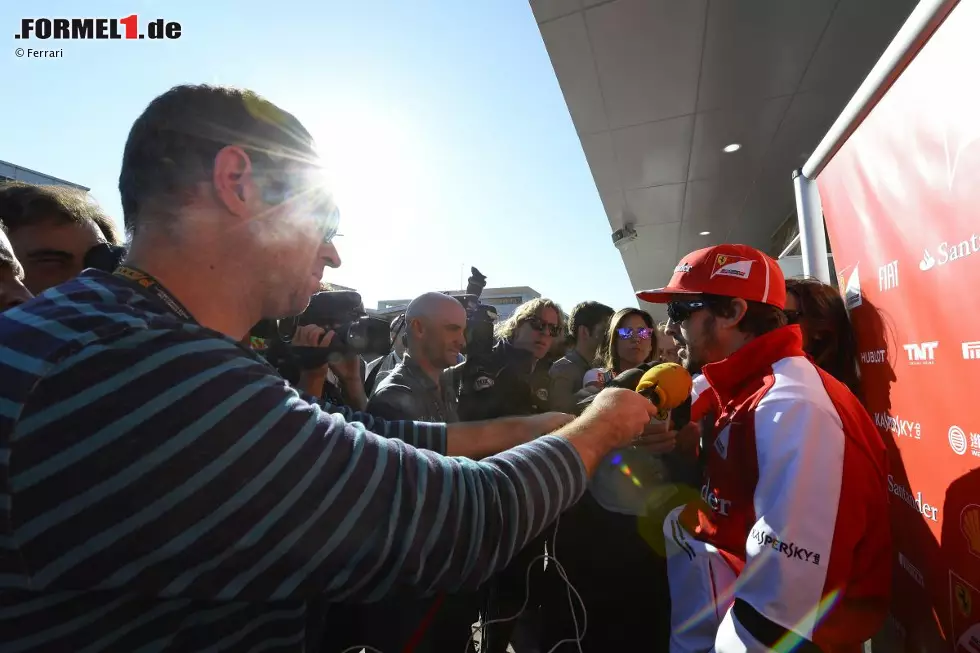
(734, 147)
(705, 233)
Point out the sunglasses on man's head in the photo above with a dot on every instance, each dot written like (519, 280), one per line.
(541, 326)
(680, 310)
(627, 333)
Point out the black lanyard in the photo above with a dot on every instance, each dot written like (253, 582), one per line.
(151, 285)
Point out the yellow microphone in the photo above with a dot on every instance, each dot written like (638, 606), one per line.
(667, 385)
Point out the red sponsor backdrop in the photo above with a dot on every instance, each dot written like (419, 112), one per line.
(902, 205)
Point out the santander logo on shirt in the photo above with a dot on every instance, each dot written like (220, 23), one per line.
(714, 500)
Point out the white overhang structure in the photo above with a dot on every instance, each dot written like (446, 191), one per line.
(694, 114)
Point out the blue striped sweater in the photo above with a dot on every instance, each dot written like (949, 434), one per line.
(163, 489)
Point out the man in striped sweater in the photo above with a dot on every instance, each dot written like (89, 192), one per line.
(163, 489)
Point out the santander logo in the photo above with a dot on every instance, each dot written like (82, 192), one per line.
(948, 252)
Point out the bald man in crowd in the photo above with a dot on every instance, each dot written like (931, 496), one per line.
(421, 388)
(418, 388)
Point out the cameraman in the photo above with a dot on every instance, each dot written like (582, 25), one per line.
(512, 378)
(171, 490)
(421, 388)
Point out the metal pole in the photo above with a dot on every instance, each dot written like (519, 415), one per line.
(789, 248)
(922, 22)
(813, 236)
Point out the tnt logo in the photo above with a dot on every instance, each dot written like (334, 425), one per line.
(921, 353)
(888, 276)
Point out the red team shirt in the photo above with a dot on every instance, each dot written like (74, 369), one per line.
(793, 496)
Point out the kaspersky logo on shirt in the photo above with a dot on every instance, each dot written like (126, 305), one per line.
(767, 540)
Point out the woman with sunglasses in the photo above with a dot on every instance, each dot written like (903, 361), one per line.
(630, 342)
(512, 380)
(619, 576)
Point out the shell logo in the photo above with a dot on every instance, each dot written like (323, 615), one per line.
(970, 525)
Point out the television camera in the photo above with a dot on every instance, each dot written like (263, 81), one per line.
(340, 311)
(480, 318)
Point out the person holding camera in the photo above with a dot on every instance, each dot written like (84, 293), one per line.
(511, 379)
(421, 388)
(164, 487)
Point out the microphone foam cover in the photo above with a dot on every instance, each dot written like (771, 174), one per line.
(668, 383)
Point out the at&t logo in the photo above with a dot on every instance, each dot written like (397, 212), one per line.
(921, 353)
(960, 441)
(888, 276)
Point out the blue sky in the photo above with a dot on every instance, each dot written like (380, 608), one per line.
(442, 121)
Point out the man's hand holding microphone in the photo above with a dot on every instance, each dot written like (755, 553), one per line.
(615, 418)
(634, 411)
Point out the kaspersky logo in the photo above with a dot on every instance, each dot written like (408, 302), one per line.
(948, 252)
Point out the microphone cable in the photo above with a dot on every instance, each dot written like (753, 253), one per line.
(570, 591)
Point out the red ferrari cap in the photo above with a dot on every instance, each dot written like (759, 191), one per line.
(729, 270)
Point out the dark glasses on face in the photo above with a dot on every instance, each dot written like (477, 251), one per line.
(793, 317)
(541, 326)
(678, 311)
(298, 190)
(627, 333)
(327, 219)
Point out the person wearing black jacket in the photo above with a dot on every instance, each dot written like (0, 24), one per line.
(511, 379)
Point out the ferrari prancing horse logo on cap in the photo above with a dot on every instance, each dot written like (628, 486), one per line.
(727, 265)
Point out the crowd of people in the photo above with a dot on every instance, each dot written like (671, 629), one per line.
(165, 487)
